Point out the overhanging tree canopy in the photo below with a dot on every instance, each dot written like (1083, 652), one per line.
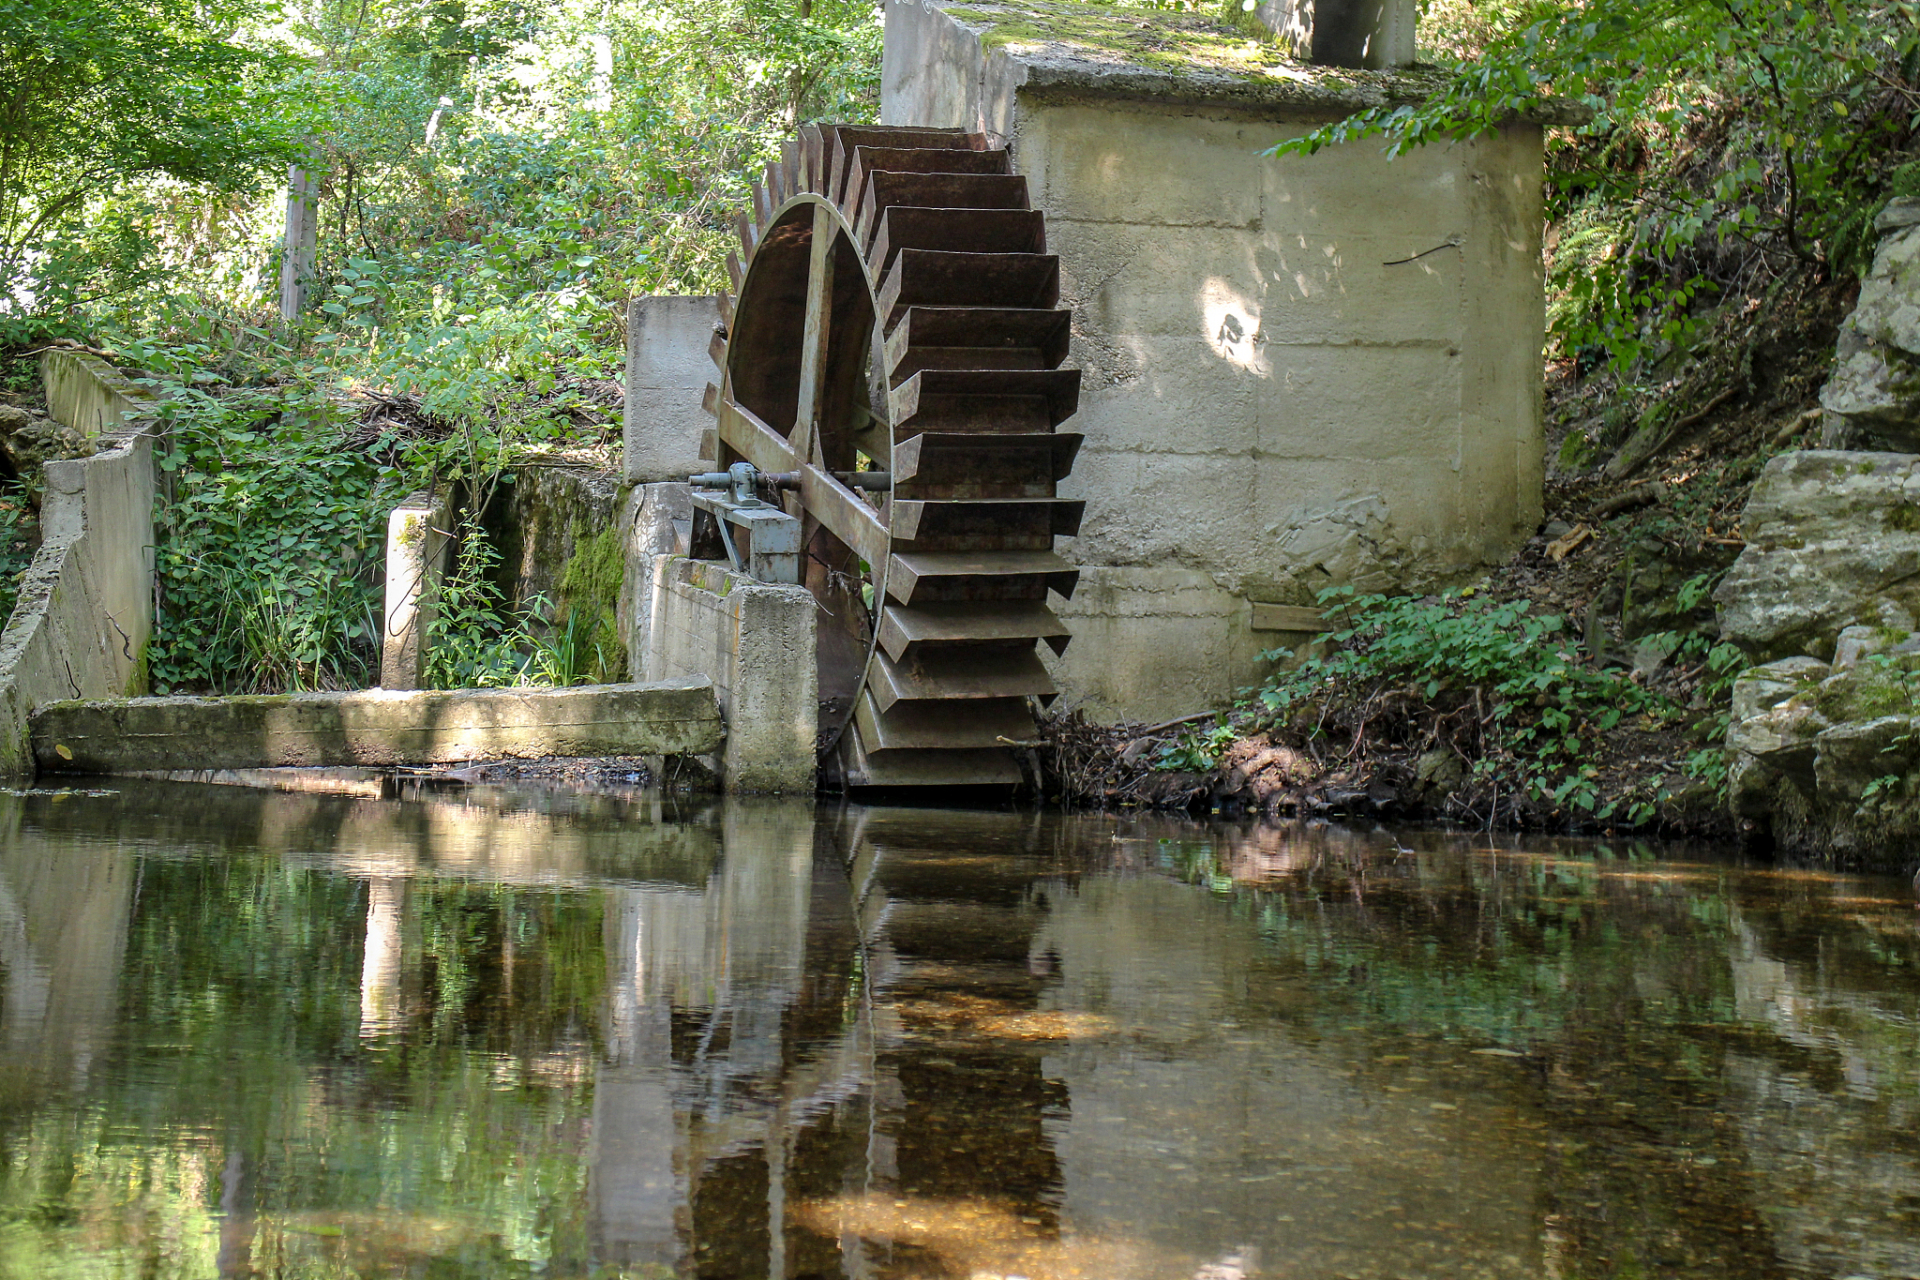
(94, 94)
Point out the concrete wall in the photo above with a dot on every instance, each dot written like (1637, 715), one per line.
(1273, 402)
(90, 395)
(85, 610)
(376, 727)
(668, 369)
(541, 520)
(754, 640)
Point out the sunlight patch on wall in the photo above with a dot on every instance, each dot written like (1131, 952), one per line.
(1230, 322)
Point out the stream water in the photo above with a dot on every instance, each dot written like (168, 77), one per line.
(499, 1034)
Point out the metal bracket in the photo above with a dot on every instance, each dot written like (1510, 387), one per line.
(768, 545)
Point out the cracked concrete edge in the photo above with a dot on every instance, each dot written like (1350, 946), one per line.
(85, 608)
(377, 727)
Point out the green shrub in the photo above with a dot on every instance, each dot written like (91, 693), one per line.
(17, 540)
(271, 545)
(1504, 687)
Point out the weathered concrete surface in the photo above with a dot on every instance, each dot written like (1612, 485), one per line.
(667, 371)
(1873, 396)
(756, 641)
(655, 520)
(1298, 371)
(1833, 539)
(544, 519)
(377, 727)
(1344, 33)
(90, 395)
(85, 609)
(417, 541)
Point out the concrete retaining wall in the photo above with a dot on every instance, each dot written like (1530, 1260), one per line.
(85, 611)
(667, 371)
(1276, 398)
(753, 639)
(377, 727)
(90, 395)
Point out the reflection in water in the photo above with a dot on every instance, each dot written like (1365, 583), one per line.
(256, 1034)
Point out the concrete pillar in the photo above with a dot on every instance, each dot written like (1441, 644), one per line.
(668, 369)
(1344, 33)
(417, 543)
(302, 237)
(755, 641)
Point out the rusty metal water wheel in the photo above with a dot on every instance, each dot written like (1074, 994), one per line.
(893, 349)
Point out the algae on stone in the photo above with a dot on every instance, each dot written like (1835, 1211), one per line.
(1069, 45)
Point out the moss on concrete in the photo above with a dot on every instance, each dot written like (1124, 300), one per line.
(1075, 49)
(1199, 45)
(590, 585)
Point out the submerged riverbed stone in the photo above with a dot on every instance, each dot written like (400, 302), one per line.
(1833, 541)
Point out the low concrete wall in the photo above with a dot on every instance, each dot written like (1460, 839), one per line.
(90, 395)
(377, 727)
(668, 370)
(756, 641)
(1298, 371)
(85, 610)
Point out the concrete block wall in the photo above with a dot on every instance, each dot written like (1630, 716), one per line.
(90, 395)
(755, 640)
(85, 610)
(1298, 372)
(668, 370)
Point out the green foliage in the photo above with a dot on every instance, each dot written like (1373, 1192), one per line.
(1730, 140)
(270, 545)
(487, 202)
(18, 534)
(473, 639)
(1197, 750)
(1511, 686)
(98, 94)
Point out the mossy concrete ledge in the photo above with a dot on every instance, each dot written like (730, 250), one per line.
(377, 727)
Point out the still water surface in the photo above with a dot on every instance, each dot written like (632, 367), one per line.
(499, 1035)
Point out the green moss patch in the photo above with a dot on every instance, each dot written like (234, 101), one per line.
(590, 598)
(1198, 45)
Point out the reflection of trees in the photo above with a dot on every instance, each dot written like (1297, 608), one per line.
(1724, 1059)
(468, 1036)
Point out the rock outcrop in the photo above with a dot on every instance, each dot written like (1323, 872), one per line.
(1833, 540)
(29, 440)
(1825, 734)
(1873, 398)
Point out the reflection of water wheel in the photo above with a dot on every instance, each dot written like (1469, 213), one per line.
(895, 314)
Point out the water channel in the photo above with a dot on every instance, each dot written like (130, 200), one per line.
(519, 1034)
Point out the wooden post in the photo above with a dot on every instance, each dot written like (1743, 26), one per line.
(813, 339)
